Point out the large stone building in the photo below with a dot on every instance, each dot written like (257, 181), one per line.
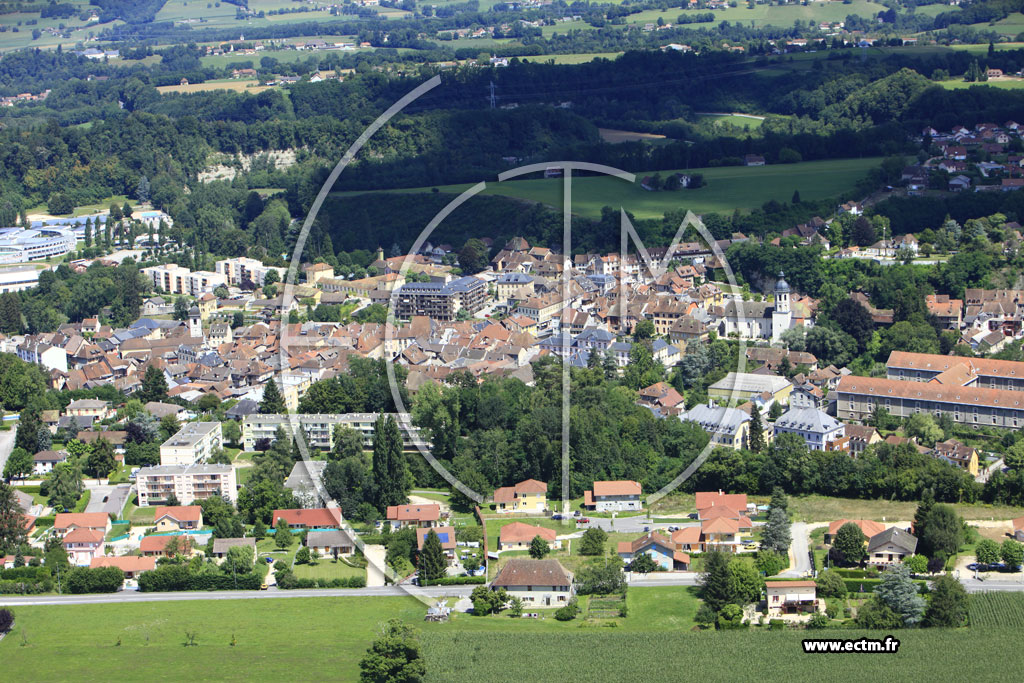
(982, 373)
(441, 301)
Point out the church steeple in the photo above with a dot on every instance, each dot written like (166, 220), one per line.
(781, 294)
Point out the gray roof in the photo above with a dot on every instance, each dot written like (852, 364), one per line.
(749, 382)
(807, 420)
(896, 536)
(330, 538)
(221, 545)
(716, 418)
(302, 474)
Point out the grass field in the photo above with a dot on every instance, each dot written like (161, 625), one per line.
(733, 120)
(960, 84)
(997, 609)
(1010, 26)
(727, 188)
(824, 509)
(572, 58)
(238, 85)
(326, 569)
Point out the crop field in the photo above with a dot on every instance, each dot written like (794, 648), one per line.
(249, 86)
(579, 58)
(727, 188)
(1010, 26)
(612, 655)
(997, 609)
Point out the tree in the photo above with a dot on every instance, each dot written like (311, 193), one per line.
(282, 534)
(987, 551)
(705, 616)
(232, 432)
(302, 556)
(6, 620)
(486, 601)
(854, 319)
(19, 464)
(943, 532)
(154, 385)
(101, 461)
(831, 584)
(64, 484)
(756, 430)
(770, 562)
(848, 545)
(142, 189)
(947, 603)
(239, 560)
(863, 232)
(346, 443)
(539, 548)
(601, 577)
(730, 617)
(237, 320)
(180, 309)
(259, 532)
(875, 614)
(643, 564)
(923, 509)
(714, 582)
(432, 565)
(899, 592)
(923, 426)
(644, 330)
(917, 564)
(1012, 553)
(394, 657)
(390, 479)
(776, 534)
(745, 583)
(473, 257)
(272, 402)
(593, 541)
(27, 436)
(12, 521)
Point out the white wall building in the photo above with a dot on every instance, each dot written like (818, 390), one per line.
(195, 442)
(187, 483)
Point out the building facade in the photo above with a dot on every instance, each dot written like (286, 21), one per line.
(186, 483)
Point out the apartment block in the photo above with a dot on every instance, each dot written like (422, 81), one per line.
(319, 429)
(188, 483)
(195, 442)
(441, 301)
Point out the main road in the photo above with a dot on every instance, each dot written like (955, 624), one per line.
(124, 597)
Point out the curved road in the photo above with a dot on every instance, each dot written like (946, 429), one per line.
(799, 560)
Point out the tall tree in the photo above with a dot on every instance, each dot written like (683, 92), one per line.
(943, 532)
(756, 439)
(12, 521)
(10, 314)
(272, 402)
(390, 483)
(714, 582)
(848, 545)
(101, 461)
(27, 436)
(776, 535)
(19, 464)
(432, 565)
(899, 592)
(947, 603)
(539, 548)
(154, 385)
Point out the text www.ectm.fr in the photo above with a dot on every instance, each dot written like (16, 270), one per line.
(889, 645)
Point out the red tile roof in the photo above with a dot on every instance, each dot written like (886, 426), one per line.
(316, 517)
(720, 525)
(126, 563)
(790, 584)
(518, 532)
(152, 544)
(617, 488)
(179, 513)
(414, 513)
(445, 533)
(869, 527)
(733, 501)
(88, 520)
(83, 535)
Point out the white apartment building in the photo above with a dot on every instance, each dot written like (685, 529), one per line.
(195, 442)
(188, 483)
(241, 269)
(173, 279)
(17, 279)
(319, 429)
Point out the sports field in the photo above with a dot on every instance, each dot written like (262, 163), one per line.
(728, 188)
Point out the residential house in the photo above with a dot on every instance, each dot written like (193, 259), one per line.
(401, 516)
(890, 547)
(608, 496)
(958, 454)
(222, 545)
(660, 549)
(868, 527)
(66, 522)
(729, 427)
(157, 546)
(87, 407)
(316, 518)
(662, 396)
(789, 597)
(178, 518)
(819, 430)
(538, 583)
(131, 565)
(333, 543)
(860, 437)
(518, 536)
(445, 534)
(528, 495)
(82, 545)
(43, 462)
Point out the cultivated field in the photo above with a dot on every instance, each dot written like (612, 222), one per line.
(825, 509)
(239, 85)
(997, 609)
(727, 188)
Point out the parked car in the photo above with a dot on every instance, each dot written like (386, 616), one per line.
(647, 528)
(264, 587)
(673, 528)
(692, 515)
(583, 520)
(556, 516)
(750, 546)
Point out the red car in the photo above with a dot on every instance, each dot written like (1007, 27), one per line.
(583, 520)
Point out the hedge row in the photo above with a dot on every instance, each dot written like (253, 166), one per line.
(26, 587)
(869, 585)
(289, 582)
(455, 581)
(179, 578)
(44, 522)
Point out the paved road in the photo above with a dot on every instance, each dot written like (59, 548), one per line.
(632, 525)
(135, 596)
(108, 499)
(800, 561)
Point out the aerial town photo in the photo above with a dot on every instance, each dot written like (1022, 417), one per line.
(402, 341)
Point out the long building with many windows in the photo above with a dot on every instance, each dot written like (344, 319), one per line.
(19, 245)
(187, 483)
(441, 301)
(983, 373)
(857, 398)
(319, 429)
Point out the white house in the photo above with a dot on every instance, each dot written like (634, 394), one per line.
(608, 496)
(819, 430)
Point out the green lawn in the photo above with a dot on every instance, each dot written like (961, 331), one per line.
(727, 188)
(960, 84)
(326, 569)
(1012, 25)
(826, 509)
(139, 516)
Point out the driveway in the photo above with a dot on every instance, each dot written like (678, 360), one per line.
(108, 499)
(6, 446)
(799, 561)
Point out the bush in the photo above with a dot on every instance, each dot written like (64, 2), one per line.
(569, 612)
(817, 621)
(6, 620)
(776, 625)
(832, 611)
(101, 580)
(176, 577)
(455, 581)
(286, 580)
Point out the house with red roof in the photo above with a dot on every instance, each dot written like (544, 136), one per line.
(156, 546)
(707, 501)
(178, 517)
(82, 545)
(445, 534)
(65, 522)
(609, 496)
(315, 518)
(419, 516)
(519, 536)
(529, 495)
(131, 565)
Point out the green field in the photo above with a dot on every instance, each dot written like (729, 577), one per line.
(1010, 26)
(572, 58)
(960, 84)
(727, 188)
(997, 609)
(732, 120)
